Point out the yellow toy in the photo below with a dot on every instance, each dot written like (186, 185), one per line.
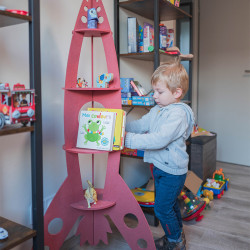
(90, 194)
(208, 194)
(144, 197)
(206, 200)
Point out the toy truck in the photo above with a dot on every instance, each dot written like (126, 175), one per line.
(17, 105)
(221, 183)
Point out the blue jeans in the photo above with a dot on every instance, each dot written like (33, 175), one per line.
(167, 210)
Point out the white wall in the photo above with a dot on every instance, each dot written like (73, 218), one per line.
(57, 22)
(224, 87)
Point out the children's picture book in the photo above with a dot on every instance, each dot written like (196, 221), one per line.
(119, 131)
(96, 130)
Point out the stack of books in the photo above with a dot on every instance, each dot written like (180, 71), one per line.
(101, 129)
(133, 93)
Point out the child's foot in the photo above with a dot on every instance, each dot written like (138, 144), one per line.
(175, 246)
(161, 243)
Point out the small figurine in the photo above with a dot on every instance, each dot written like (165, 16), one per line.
(92, 18)
(3, 234)
(104, 80)
(81, 83)
(90, 194)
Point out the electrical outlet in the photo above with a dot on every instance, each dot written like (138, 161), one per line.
(46, 203)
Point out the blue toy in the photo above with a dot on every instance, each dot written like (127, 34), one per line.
(104, 80)
(92, 18)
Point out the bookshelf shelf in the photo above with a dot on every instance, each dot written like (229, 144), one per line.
(100, 205)
(149, 56)
(132, 156)
(145, 8)
(7, 18)
(92, 89)
(76, 150)
(92, 32)
(17, 233)
(14, 129)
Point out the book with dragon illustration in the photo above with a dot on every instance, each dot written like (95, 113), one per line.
(96, 130)
(119, 126)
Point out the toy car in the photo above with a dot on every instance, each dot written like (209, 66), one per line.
(217, 190)
(16, 106)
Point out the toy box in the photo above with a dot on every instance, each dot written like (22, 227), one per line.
(140, 44)
(125, 85)
(127, 101)
(170, 38)
(148, 36)
(133, 152)
(143, 100)
(193, 182)
(132, 35)
(177, 3)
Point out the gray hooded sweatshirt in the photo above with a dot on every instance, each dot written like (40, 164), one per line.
(162, 134)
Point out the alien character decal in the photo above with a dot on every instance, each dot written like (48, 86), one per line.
(93, 132)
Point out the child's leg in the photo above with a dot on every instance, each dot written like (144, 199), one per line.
(178, 213)
(167, 189)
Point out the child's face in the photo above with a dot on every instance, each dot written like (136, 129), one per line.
(162, 95)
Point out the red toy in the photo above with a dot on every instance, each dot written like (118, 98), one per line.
(16, 106)
(20, 12)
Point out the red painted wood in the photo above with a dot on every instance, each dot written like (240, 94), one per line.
(116, 199)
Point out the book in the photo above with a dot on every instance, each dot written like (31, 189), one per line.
(123, 129)
(119, 130)
(148, 36)
(132, 35)
(96, 130)
(138, 88)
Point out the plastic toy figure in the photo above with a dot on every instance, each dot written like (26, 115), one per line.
(16, 106)
(81, 83)
(104, 80)
(92, 18)
(90, 194)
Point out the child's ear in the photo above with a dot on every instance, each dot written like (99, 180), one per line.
(178, 93)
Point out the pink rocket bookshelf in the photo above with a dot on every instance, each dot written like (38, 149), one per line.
(115, 199)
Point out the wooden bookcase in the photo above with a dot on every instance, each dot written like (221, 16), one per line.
(17, 232)
(157, 11)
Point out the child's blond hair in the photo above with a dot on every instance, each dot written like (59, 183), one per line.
(174, 75)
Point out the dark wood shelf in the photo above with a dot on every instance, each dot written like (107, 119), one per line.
(7, 18)
(15, 128)
(149, 56)
(17, 233)
(132, 156)
(145, 8)
(144, 106)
